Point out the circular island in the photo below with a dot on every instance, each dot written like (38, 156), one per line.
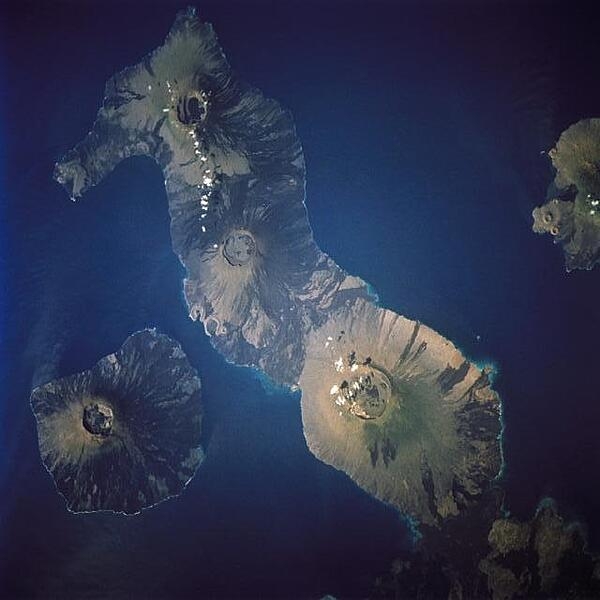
(124, 435)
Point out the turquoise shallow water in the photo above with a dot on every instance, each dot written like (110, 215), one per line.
(422, 130)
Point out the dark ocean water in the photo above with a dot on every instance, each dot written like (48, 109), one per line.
(422, 128)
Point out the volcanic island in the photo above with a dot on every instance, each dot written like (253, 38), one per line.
(396, 406)
(234, 175)
(124, 435)
(385, 399)
(572, 213)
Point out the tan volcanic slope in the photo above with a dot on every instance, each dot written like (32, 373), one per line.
(435, 442)
(264, 291)
(124, 435)
(572, 216)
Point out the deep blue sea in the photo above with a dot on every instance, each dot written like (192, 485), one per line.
(423, 127)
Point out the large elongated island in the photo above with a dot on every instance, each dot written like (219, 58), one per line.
(385, 399)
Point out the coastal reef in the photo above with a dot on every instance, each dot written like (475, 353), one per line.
(572, 214)
(124, 435)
